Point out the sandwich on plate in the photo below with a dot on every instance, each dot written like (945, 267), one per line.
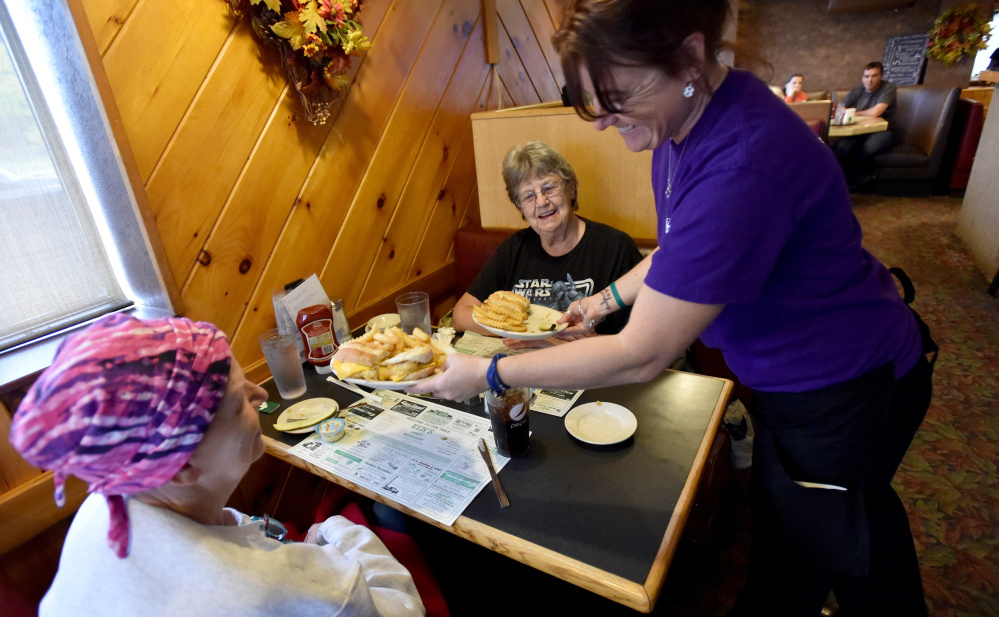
(391, 355)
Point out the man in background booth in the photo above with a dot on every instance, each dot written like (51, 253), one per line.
(873, 98)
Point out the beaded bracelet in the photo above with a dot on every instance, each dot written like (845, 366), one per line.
(493, 379)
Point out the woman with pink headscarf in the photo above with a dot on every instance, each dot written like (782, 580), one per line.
(158, 418)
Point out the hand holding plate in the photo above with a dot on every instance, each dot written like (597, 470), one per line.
(582, 317)
(463, 377)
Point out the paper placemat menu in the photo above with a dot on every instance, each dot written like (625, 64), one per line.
(415, 452)
(554, 402)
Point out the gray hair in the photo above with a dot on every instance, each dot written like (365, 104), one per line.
(535, 159)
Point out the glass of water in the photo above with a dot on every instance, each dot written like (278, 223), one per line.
(414, 311)
(282, 358)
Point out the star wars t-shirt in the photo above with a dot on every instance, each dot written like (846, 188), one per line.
(521, 265)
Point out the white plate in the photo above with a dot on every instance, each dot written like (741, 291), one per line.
(386, 320)
(318, 408)
(441, 346)
(538, 314)
(385, 385)
(601, 423)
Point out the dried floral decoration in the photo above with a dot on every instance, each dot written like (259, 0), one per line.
(958, 32)
(316, 39)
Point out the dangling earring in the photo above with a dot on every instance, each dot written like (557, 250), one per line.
(688, 91)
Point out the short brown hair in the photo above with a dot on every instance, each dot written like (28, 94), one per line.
(602, 34)
(535, 159)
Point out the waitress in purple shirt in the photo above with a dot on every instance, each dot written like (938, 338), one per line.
(759, 255)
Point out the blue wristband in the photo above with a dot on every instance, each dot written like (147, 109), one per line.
(492, 376)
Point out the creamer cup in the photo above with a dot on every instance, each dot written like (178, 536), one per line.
(332, 430)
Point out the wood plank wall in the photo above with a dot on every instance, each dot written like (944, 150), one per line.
(248, 195)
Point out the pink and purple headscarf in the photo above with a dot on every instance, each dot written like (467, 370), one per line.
(123, 407)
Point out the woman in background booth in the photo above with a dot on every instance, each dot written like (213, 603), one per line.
(792, 88)
(759, 255)
(158, 418)
(562, 257)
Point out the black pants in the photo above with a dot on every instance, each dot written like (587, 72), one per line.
(856, 155)
(810, 541)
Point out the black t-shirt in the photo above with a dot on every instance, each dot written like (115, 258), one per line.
(520, 264)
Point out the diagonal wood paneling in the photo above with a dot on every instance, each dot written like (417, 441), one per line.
(391, 266)
(238, 248)
(322, 206)
(248, 195)
(156, 64)
(106, 18)
(448, 209)
(378, 195)
(448, 215)
(229, 267)
(425, 185)
(512, 70)
(536, 69)
(229, 113)
(544, 28)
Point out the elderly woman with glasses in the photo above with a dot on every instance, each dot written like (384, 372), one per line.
(760, 255)
(158, 419)
(562, 257)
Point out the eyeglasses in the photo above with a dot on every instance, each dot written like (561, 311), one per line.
(530, 198)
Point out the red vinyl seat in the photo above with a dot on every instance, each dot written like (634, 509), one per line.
(969, 117)
(14, 601)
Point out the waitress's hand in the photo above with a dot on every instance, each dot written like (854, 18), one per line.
(582, 317)
(463, 377)
(551, 341)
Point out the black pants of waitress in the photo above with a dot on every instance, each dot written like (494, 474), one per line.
(810, 540)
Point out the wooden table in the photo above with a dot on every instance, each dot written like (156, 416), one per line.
(861, 126)
(605, 518)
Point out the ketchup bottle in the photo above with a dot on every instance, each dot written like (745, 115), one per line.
(315, 323)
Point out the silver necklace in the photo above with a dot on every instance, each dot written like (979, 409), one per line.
(670, 174)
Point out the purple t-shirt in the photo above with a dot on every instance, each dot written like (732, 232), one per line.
(760, 220)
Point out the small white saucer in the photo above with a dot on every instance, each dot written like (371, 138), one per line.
(601, 423)
(317, 408)
(383, 321)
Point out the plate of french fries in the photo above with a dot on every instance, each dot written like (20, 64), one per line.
(510, 315)
(390, 359)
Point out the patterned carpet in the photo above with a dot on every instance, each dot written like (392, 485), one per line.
(948, 479)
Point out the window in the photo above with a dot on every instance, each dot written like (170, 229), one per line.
(984, 57)
(72, 244)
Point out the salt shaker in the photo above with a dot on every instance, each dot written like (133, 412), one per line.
(340, 326)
